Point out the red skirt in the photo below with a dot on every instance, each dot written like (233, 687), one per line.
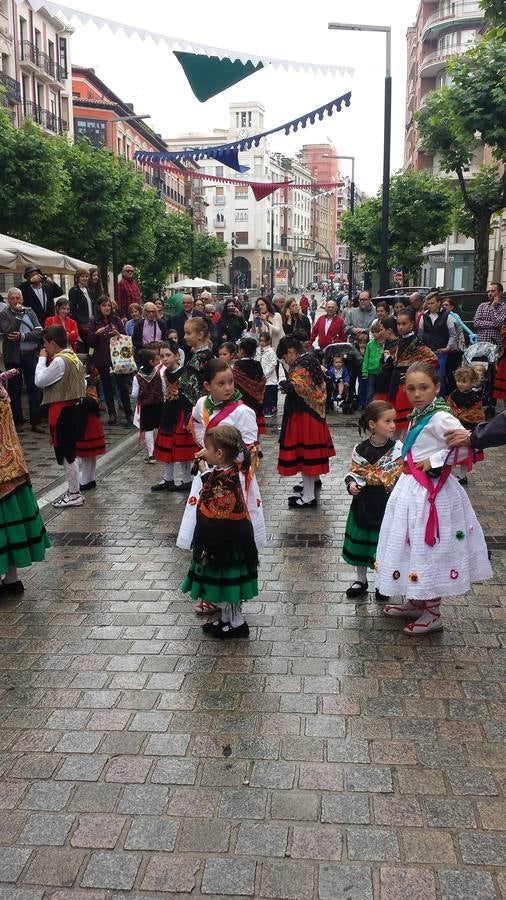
(403, 408)
(306, 446)
(381, 395)
(92, 442)
(176, 446)
(499, 391)
(261, 423)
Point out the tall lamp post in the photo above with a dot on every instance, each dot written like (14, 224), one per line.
(387, 128)
(352, 210)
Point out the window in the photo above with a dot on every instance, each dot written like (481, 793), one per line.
(220, 235)
(241, 237)
(241, 215)
(92, 130)
(62, 44)
(219, 196)
(249, 120)
(219, 171)
(241, 193)
(243, 120)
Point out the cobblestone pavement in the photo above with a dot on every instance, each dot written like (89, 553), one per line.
(329, 757)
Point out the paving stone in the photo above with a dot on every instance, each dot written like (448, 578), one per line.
(492, 814)
(302, 748)
(319, 842)
(116, 871)
(199, 833)
(428, 846)
(167, 745)
(298, 805)
(482, 849)
(350, 809)
(399, 883)
(97, 831)
(46, 795)
(224, 773)
(46, 830)
(243, 804)
(229, 877)
(320, 777)
(347, 751)
(172, 874)
(56, 866)
(287, 881)
(152, 833)
(78, 742)
(449, 813)
(472, 782)
(13, 893)
(143, 798)
(272, 775)
(11, 825)
(350, 882)
(151, 721)
(128, 770)
(374, 779)
(101, 798)
(175, 771)
(81, 768)
(468, 885)
(193, 803)
(261, 839)
(398, 811)
(373, 844)
(325, 726)
(12, 862)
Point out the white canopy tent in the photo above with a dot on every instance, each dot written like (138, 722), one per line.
(193, 283)
(16, 255)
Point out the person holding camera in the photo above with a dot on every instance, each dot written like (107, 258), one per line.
(39, 293)
(22, 337)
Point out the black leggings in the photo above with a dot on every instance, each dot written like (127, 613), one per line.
(123, 382)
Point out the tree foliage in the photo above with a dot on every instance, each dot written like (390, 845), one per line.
(421, 209)
(495, 12)
(457, 120)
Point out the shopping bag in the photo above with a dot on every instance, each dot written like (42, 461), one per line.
(122, 355)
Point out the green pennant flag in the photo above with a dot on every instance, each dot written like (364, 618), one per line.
(209, 75)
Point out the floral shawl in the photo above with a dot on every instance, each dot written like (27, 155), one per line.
(13, 468)
(191, 381)
(383, 473)
(307, 381)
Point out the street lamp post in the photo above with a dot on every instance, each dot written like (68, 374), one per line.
(387, 127)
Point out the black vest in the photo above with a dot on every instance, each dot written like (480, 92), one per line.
(436, 334)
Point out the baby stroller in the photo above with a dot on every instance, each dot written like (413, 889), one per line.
(482, 356)
(352, 361)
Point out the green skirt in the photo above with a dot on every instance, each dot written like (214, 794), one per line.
(23, 537)
(231, 584)
(359, 548)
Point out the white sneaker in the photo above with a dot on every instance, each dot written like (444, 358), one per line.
(69, 500)
(408, 610)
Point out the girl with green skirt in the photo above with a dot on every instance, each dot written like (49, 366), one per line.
(223, 571)
(23, 537)
(376, 464)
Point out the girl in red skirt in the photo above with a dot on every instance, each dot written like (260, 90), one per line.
(92, 443)
(409, 350)
(305, 444)
(499, 392)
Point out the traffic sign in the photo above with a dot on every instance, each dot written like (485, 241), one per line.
(332, 275)
(398, 277)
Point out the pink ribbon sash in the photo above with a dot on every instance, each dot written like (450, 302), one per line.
(432, 487)
(218, 417)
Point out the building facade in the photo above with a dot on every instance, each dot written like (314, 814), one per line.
(105, 120)
(443, 29)
(35, 67)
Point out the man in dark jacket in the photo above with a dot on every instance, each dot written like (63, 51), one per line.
(22, 337)
(39, 293)
(81, 304)
(149, 328)
(487, 434)
(178, 322)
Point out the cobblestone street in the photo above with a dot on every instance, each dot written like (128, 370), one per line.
(330, 757)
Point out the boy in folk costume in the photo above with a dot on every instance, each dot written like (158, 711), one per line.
(147, 390)
(64, 386)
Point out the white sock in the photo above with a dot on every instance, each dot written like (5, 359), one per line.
(149, 440)
(236, 617)
(87, 468)
(308, 483)
(72, 475)
(186, 471)
(225, 611)
(12, 575)
(362, 574)
(168, 472)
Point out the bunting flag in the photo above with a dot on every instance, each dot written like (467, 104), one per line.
(209, 75)
(61, 11)
(223, 152)
(261, 189)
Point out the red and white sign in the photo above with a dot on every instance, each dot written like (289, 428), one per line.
(398, 278)
(332, 275)
(282, 277)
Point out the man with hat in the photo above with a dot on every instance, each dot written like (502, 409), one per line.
(39, 293)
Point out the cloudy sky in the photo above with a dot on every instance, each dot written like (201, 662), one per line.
(149, 75)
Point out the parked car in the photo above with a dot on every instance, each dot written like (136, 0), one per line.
(468, 301)
(408, 290)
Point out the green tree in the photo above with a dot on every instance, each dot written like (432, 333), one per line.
(421, 209)
(495, 12)
(33, 181)
(172, 235)
(208, 249)
(456, 121)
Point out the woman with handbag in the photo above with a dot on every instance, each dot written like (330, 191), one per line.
(101, 329)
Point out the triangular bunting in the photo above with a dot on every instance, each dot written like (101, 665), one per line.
(209, 75)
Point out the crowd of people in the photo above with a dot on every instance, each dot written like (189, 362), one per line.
(204, 380)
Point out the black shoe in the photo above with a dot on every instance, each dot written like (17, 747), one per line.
(463, 481)
(300, 487)
(357, 589)
(296, 503)
(88, 486)
(163, 486)
(210, 627)
(15, 587)
(379, 597)
(183, 487)
(241, 631)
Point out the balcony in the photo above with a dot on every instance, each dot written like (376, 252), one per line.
(12, 94)
(34, 60)
(219, 222)
(44, 117)
(432, 63)
(465, 12)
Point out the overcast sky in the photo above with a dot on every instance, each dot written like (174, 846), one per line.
(150, 76)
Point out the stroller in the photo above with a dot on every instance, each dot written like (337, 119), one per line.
(482, 356)
(352, 361)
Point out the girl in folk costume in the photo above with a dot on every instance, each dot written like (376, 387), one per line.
(174, 441)
(64, 386)
(430, 542)
(23, 538)
(466, 401)
(223, 572)
(499, 391)
(223, 405)
(305, 444)
(148, 391)
(409, 350)
(250, 379)
(191, 383)
(92, 442)
(376, 464)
